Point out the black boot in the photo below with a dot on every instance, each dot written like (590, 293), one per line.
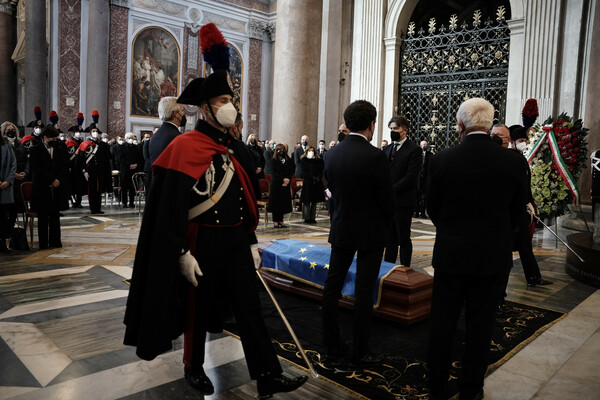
(199, 380)
(269, 385)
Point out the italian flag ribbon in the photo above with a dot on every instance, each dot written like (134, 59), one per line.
(562, 166)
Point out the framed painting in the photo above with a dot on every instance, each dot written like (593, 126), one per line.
(155, 70)
(236, 68)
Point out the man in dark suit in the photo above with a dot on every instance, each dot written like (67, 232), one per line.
(299, 152)
(476, 195)
(421, 198)
(173, 116)
(358, 177)
(405, 163)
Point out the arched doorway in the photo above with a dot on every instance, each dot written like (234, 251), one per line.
(445, 62)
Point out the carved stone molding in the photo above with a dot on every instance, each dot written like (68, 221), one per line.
(8, 6)
(224, 22)
(121, 3)
(166, 7)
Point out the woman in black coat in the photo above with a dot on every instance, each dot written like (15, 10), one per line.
(257, 153)
(280, 195)
(48, 164)
(312, 186)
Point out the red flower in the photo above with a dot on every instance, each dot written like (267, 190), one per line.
(574, 133)
(571, 169)
(569, 145)
(576, 149)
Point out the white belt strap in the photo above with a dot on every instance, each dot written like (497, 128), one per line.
(216, 196)
(595, 163)
(92, 154)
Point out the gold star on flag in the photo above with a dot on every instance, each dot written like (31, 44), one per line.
(302, 258)
(302, 250)
(311, 245)
(326, 266)
(312, 265)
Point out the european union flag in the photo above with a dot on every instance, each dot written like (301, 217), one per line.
(309, 263)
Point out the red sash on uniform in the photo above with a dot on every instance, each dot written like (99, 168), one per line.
(192, 153)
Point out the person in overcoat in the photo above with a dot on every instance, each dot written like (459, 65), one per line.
(48, 164)
(280, 194)
(312, 185)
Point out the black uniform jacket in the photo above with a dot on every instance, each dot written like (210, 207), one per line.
(358, 176)
(476, 194)
(155, 310)
(405, 167)
(44, 171)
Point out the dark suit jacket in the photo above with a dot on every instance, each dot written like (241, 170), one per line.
(424, 170)
(405, 168)
(358, 176)
(476, 193)
(157, 143)
(298, 152)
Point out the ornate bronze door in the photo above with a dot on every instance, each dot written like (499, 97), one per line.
(445, 66)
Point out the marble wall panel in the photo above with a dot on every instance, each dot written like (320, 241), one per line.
(117, 73)
(254, 81)
(69, 71)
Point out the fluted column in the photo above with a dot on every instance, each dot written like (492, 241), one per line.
(367, 56)
(7, 75)
(36, 64)
(296, 74)
(97, 62)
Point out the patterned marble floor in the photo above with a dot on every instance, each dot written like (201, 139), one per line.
(61, 330)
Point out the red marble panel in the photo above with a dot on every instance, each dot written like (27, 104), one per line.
(69, 58)
(254, 83)
(117, 70)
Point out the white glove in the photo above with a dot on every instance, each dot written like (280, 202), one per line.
(255, 255)
(86, 176)
(530, 210)
(328, 193)
(189, 268)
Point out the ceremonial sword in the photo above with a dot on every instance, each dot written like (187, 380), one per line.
(555, 235)
(288, 326)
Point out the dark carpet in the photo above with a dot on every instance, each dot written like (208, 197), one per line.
(403, 373)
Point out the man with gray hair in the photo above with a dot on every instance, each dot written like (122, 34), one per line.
(173, 117)
(476, 195)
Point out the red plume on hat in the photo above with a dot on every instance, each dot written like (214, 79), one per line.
(53, 117)
(37, 110)
(95, 116)
(530, 113)
(215, 50)
(80, 119)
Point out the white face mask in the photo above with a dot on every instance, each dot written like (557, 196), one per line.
(119, 141)
(130, 141)
(521, 146)
(310, 154)
(105, 140)
(62, 138)
(77, 135)
(94, 135)
(226, 115)
(321, 146)
(11, 140)
(37, 131)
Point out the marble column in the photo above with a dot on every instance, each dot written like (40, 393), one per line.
(96, 90)
(367, 57)
(591, 116)
(330, 79)
(36, 63)
(253, 116)
(117, 73)
(7, 71)
(296, 78)
(266, 83)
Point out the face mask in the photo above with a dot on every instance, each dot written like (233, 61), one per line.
(135, 141)
(321, 146)
(94, 135)
(130, 141)
(62, 138)
(226, 115)
(273, 146)
(521, 146)
(105, 140)
(119, 141)
(310, 154)
(11, 134)
(77, 135)
(253, 142)
(305, 143)
(341, 136)
(395, 136)
(11, 140)
(37, 131)
(183, 121)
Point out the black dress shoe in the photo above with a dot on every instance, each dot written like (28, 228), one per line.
(199, 381)
(539, 282)
(97, 212)
(367, 359)
(267, 386)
